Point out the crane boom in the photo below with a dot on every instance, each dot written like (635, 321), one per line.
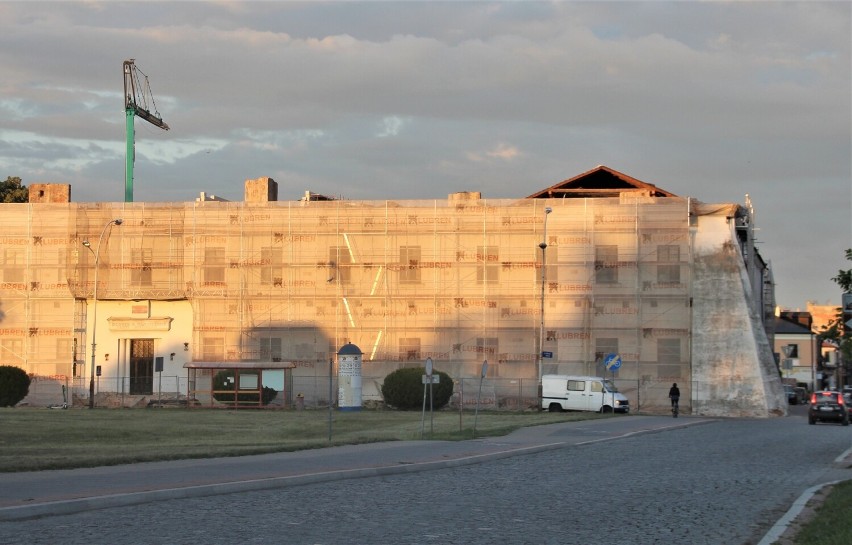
(136, 104)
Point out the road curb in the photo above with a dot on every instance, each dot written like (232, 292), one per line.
(777, 531)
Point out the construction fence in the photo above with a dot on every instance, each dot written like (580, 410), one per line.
(313, 393)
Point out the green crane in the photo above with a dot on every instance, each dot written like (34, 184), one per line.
(136, 104)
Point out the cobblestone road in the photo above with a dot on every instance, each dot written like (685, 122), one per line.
(725, 482)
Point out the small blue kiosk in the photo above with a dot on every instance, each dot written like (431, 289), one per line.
(349, 378)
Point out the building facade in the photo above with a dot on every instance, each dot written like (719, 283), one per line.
(552, 283)
(797, 350)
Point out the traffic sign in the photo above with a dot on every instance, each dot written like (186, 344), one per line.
(547, 354)
(612, 362)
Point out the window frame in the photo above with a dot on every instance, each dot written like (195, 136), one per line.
(606, 264)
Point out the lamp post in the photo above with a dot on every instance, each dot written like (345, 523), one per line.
(97, 253)
(543, 247)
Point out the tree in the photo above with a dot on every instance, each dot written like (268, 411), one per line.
(837, 330)
(12, 191)
(844, 278)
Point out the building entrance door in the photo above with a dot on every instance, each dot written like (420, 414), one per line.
(141, 366)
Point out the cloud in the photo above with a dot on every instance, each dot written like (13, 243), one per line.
(390, 126)
(374, 100)
(503, 152)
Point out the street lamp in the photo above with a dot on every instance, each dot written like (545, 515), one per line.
(543, 247)
(97, 253)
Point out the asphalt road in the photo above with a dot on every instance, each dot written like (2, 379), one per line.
(725, 481)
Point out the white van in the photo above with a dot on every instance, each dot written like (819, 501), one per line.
(581, 393)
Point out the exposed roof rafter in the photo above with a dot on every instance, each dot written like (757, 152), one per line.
(600, 182)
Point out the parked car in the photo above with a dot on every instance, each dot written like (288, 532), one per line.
(792, 398)
(828, 406)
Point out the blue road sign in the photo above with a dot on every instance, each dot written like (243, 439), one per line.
(612, 362)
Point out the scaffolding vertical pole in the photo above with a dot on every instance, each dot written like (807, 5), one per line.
(638, 309)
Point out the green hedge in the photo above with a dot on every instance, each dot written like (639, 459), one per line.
(14, 385)
(403, 389)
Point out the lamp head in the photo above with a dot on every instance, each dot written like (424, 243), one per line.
(118, 221)
(548, 210)
(87, 244)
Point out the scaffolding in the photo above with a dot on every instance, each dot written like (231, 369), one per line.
(458, 281)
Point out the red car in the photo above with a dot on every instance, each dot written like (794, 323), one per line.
(828, 406)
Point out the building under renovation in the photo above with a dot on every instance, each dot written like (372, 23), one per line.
(153, 301)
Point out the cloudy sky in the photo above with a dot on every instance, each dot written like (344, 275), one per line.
(415, 100)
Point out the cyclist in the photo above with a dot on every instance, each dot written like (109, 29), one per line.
(674, 395)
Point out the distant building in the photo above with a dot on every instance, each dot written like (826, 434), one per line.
(268, 291)
(833, 370)
(797, 350)
(830, 371)
(821, 315)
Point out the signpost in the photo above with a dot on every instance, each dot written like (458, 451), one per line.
(612, 362)
(158, 367)
(330, 394)
(429, 379)
(460, 382)
(481, 378)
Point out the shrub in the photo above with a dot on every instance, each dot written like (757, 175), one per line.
(14, 385)
(222, 381)
(403, 389)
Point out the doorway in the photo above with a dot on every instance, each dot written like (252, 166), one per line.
(141, 366)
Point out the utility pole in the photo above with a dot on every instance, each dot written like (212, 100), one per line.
(543, 247)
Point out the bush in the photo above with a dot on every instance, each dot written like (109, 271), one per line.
(222, 382)
(403, 389)
(14, 385)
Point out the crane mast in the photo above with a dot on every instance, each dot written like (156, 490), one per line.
(136, 104)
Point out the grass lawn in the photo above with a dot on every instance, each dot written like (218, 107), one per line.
(832, 523)
(36, 439)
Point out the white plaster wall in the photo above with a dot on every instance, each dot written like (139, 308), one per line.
(733, 369)
(166, 342)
